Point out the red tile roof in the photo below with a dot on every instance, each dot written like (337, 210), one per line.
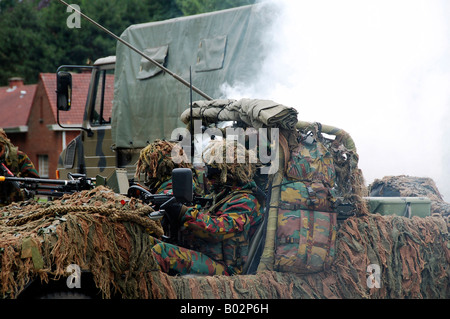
(80, 87)
(15, 104)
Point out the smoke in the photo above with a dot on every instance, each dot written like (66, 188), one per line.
(378, 69)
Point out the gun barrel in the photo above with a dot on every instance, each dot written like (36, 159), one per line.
(33, 180)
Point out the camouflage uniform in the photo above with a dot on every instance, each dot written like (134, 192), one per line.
(215, 240)
(19, 164)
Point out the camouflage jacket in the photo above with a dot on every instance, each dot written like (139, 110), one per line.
(23, 167)
(223, 231)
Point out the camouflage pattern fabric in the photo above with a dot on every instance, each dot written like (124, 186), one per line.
(19, 164)
(307, 225)
(311, 162)
(306, 195)
(26, 166)
(305, 240)
(214, 240)
(177, 260)
(8, 193)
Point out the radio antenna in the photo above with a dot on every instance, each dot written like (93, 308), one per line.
(192, 120)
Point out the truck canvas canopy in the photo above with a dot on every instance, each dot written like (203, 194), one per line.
(223, 47)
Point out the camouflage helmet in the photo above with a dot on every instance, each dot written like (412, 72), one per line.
(158, 159)
(7, 149)
(232, 159)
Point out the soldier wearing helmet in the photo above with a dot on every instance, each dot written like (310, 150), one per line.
(156, 162)
(19, 164)
(214, 240)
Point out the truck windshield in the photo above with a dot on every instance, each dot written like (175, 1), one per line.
(104, 94)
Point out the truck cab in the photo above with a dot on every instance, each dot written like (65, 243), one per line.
(90, 152)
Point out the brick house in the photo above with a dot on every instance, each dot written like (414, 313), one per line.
(15, 105)
(31, 121)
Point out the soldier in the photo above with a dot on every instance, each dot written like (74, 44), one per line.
(19, 164)
(156, 162)
(215, 240)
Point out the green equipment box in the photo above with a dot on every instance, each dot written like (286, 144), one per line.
(401, 206)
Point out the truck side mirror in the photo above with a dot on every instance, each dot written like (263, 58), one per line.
(63, 91)
(182, 185)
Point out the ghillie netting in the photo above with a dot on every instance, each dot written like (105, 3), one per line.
(158, 159)
(108, 234)
(413, 257)
(233, 160)
(98, 230)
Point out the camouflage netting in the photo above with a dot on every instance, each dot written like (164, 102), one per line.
(413, 256)
(411, 186)
(107, 234)
(98, 230)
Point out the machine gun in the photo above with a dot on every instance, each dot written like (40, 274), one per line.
(48, 187)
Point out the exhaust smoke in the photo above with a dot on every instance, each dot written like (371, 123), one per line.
(380, 70)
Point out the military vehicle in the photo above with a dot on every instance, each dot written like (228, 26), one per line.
(213, 49)
(321, 237)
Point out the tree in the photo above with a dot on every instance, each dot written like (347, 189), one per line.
(21, 50)
(35, 36)
(7, 4)
(87, 43)
(189, 7)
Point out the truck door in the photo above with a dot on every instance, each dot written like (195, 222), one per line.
(91, 152)
(99, 158)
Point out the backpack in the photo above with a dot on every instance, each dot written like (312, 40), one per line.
(307, 225)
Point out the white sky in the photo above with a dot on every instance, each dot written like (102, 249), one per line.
(379, 69)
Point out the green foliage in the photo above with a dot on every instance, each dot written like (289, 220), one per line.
(189, 7)
(20, 42)
(35, 38)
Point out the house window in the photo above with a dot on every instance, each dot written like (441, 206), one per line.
(43, 166)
